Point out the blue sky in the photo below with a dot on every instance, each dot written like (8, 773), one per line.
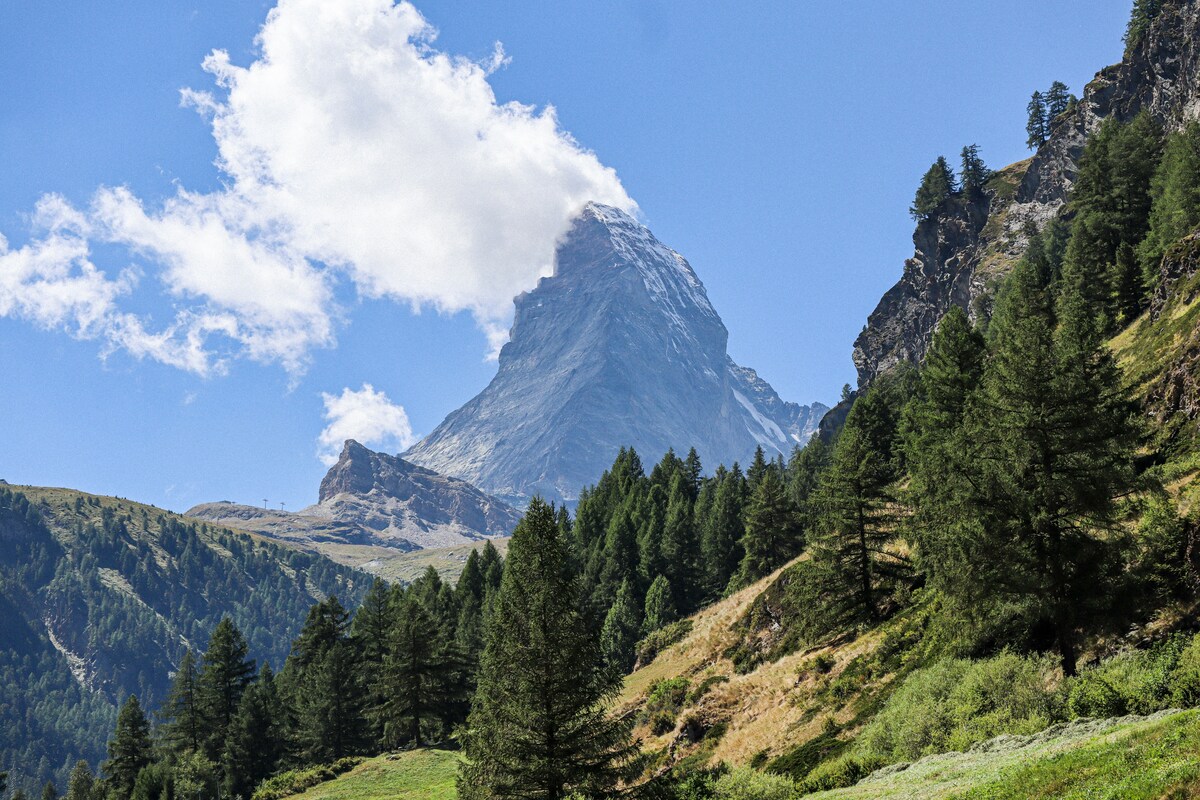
(775, 145)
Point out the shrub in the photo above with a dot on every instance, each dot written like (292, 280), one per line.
(703, 687)
(1092, 696)
(1185, 678)
(295, 781)
(662, 707)
(1134, 682)
(840, 773)
(743, 783)
(657, 641)
(956, 702)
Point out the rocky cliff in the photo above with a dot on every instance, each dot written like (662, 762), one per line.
(964, 247)
(620, 347)
(370, 498)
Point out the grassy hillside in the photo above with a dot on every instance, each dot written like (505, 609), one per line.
(1127, 758)
(413, 775)
(99, 598)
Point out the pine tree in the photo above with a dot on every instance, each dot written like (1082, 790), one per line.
(255, 745)
(758, 468)
(1053, 438)
(1175, 200)
(721, 543)
(660, 606)
(370, 630)
(81, 785)
(857, 523)
(932, 431)
(225, 674)
(1058, 100)
(184, 725)
(681, 546)
(805, 469)
(937, 184)
(49, 791)
(539, 727)
(413, 681)
(1111, 200)
(1037, 127)
(1144, 13)
(693, 470)
(128, 750)
(773, 531)
(975, 173)
(325, 684)
(622, 626)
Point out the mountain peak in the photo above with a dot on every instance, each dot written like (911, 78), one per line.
(619, 347)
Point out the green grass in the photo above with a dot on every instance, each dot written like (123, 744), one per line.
(423, 774)
(1152, 757)
(1161, 761)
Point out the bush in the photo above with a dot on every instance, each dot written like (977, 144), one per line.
(840, 773)
(744, 783)
(1134, 682)
(956, 703)
(295, 781)
(704, 686)
(1092, 696)
(1185, 678)
(657, 641)
(665, 701)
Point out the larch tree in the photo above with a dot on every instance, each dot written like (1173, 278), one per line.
(539, 726)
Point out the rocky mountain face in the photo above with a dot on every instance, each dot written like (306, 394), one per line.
(963, 248)
(620, 347)
(375, 499)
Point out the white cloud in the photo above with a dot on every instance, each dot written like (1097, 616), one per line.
(352, 151)
(367, 416)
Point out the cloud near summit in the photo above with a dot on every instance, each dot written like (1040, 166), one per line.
(353, 153)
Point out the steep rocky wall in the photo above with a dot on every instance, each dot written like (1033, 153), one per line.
(964, 248)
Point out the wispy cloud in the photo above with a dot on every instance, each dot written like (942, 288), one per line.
(353, 152)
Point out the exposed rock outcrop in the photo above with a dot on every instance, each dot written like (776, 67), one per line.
(370, 498)
(964, 247)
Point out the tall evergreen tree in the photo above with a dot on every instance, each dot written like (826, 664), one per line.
(1111, 200)
(1058, 100)
(325, 685)
(1175, 200)
(660, 606)
(225, 674)
(184, 725)
(721, 542)
(773, 530)
(414, 679)
(975, 173)
(857, 523)
(1053, 436)
(49, 791)
(129, 749)
(937, 184)
(82, 784)
(932, 430)
(255, 746)
(539, 727)
(622, 627)
(681, 546)
(1038, 126)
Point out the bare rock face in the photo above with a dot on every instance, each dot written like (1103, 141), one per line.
(620, 347)
(964, 248)
(370, 498)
